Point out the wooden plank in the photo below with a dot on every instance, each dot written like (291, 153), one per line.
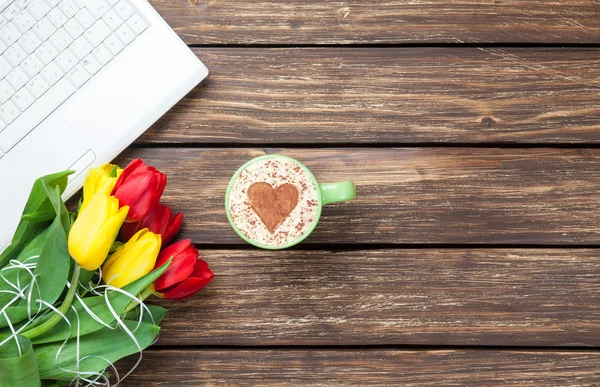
(379, 297)
(408, 195)
(381, 21)
(366, 368)
(389, 95)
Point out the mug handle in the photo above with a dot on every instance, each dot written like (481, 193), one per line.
(338, 192)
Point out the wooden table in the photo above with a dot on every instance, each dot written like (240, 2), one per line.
(470, 257)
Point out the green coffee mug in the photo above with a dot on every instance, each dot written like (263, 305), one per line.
(326, 193)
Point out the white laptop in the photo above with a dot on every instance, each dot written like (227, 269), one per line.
(79, 81)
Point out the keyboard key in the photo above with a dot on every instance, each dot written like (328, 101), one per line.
(66, 60)
(57, 17)
(85, 18)
(9, 34)
(52, 73)
(3, 21)
(23, 99)
(17, 78)
(44, 29)
(91, 64)
(29, 42)
(15, 55)
(74, 28)
(97, 8)
(38, 8)
(3, 47)
(69, 8)
(9, 112)
(24, 21)
(2, 126)
(35, 114)
(46, 52)
(114, 44)
(137, 24)
(80, 48)
(124, 9)
(112, 20)
(61, 39)
(32, 65)
(6, 91)
(10, 11)
(52, 3)
(102, 54)
(22, 3)
(78, 76)
(5, 67)
(125, 34)
(37, 86)
(112, 2)
(97, 33)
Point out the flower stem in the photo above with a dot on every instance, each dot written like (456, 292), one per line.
(64, 308)
(143, 295)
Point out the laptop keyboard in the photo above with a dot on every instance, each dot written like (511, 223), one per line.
(51, 48)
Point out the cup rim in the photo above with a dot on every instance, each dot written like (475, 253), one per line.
(306, 233)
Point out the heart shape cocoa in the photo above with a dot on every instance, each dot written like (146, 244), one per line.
(273, 205)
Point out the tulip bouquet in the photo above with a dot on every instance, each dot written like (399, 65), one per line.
(73, 284)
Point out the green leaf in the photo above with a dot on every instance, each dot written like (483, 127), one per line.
(37, 217)
(37, 202)
(18, 370)
(85, 277)
(53, 264)
(98, 306)
(58, 205)
(158, 314)
(15, 314)
(116, 246)
(31, 250)
(52, 270)
(111, 344)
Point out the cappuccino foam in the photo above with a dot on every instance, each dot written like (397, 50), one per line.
(275, 172)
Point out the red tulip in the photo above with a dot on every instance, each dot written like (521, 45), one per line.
(160, 221)
(185, 276)
(139, 187)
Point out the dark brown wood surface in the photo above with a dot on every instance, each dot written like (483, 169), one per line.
(309, 367)
(486, 297)
(296, 22)
(408, 195)
(470, 256)
(389, 95)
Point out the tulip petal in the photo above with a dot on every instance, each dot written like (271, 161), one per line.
(172, 229)
(134, 260)
(172, 251)
(128, 230)
(99, 180)
(180, 269)
(140, 187)
(105, 237)
(95, 230)
(126, 172)
(201, 277)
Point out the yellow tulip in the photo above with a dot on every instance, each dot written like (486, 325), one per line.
(95, 230)
(99, 180)
(132, 261)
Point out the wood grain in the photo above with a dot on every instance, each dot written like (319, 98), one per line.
(381, 21)
(389, 95)
(400, 296)
(408, 195)
(366, 368)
